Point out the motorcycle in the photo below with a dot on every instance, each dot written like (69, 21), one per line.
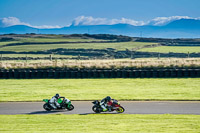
(64, 104)
(113, 105)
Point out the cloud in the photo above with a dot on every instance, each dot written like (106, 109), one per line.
(165, 20)
(46, 26)
(158, 21)
(84, 20)
(89, 20)
(10, 21)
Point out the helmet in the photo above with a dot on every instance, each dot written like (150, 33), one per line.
(108, 98)
(57, 95)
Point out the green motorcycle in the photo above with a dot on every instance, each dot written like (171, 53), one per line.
(64, 104)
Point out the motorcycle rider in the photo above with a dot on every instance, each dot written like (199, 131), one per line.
(104, 102)
(54, 101)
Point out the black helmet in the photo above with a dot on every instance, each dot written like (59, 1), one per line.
(108, 98)
(57, 95)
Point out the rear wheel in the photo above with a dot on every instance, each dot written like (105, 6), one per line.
(46, 107)
(70, 107)
(120, 110)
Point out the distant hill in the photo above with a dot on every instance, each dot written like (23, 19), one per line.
(183, 28)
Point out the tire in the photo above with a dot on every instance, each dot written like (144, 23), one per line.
(71, 107)
(96, 109)
(46, 107)
(120, 109)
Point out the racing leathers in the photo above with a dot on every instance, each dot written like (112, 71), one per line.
(54, 102)
(104, 104)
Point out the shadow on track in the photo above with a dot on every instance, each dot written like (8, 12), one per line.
(44, 112)
(97, 113)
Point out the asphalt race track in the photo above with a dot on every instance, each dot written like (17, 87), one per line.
(85, 107)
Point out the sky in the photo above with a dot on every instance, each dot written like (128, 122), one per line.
(59, 13)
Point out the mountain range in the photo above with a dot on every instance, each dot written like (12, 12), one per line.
(183, 28)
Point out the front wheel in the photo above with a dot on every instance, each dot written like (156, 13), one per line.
(70, 107)
(120, 109)
(46, 107)
(96, 109)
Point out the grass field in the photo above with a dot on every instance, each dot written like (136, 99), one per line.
(24, 40)
(35, 55)
(104, 123)
(9, 42)
(57, 40)
(174, 49)
(90, 89)
(117, 46)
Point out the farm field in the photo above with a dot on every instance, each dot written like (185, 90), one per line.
(42, 47)
(100, 123)
(91, 89)
(9, 42)
(98, 46)
(42, 40)
(174, 49)
(35, 56)
(57, 39)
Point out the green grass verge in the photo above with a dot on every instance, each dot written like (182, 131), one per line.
(100, 123)
(174, 49)
(117, 46)
(90, 89)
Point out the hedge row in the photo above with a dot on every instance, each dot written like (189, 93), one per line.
(38, 74)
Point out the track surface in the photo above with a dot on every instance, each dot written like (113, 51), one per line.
(85, 107)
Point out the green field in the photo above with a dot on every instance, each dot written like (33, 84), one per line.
(105, 123)
(28, 40)
(35, 56)
(9, 42)
(42, 47)
(174, 49)
(91, 89)
(56, 39)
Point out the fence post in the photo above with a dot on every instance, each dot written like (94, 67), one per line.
(50, 57)
(158, 55)
(26, 58)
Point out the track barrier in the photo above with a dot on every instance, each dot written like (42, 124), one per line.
(57, 74)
